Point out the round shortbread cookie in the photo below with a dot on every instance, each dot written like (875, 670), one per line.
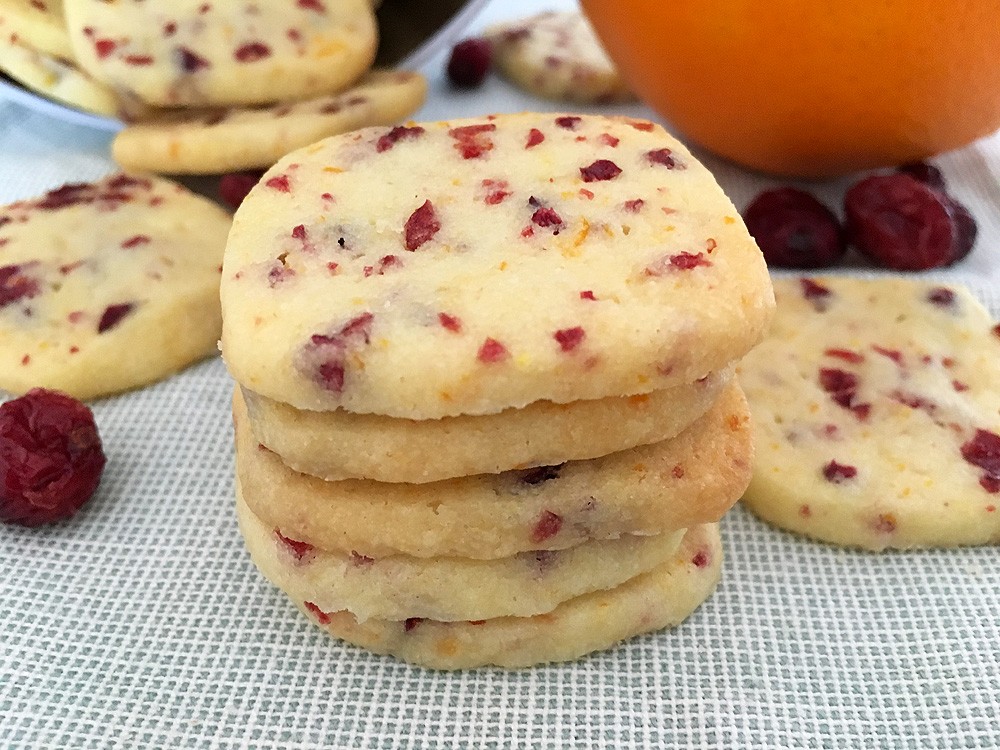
(55, 78)
(38, 24)
(877, 414)
(447, 588)
(108, 286)
(256, 138)
(341, 445)
(473, 266)
(692, 479)
(228, 52)
(661, 598)
(557, 56)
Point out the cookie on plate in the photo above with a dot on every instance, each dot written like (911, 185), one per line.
(228, 52)
(37, 24)
(230, 140)
(341, 445)
(55, 78)
(391, 270)
(663, 597)
(557, 56)
(679, 483)
(877, 414)
(398, 587)
(108, 285)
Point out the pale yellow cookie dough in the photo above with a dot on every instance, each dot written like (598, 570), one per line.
(37, 24)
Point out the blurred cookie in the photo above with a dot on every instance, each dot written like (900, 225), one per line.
(398, 587)
(192, 143)
(557, 56)
(341, 445)
(108, 285)
(877, 414)
(37, 24)
(508, 259)
(693, 478)
(663, 597)
(228, 52)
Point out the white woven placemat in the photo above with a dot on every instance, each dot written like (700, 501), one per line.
(142, 624)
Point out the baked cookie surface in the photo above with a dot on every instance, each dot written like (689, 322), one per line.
(391, 271)
(107, 286)
(663, 597)
(557, 56)
(691, 479)
(187, 52)
(37, 24)
(399, 587)
(877, 414)
(341, 445)
(236, 139)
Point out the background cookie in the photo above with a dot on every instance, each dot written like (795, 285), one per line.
(665, 596)
(341, 445)
(447, 588)
(634, 269)
(186, 52)
(256, 138)
(877, 414)
(557, 56)
(108, 285)
(691, 479)
(38, 24)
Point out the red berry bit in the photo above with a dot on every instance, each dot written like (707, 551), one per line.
(411, 622)
(113, 315)
(546, 527)
(600, 171)
(845, 354)
(842, 387)
(794, 230)
(492, 351)
(901, 223)
(884, 523)
(469, 63)
(701, 558)
(191, 62)
(546, 217)
(450, 322)
(252, 52)
(234, 187)
(472, 141)
(817, 294)
(397, 134)
(51, 458)
(569, 338)
(325, 356)
(894, 354)
(983, 451)
(298, 550)
(568, 122)
(941, 296)
(280, 183)
(421, 226)
(680, 262)
(664, 157)
(322, 617)
(839, 473)
(15, 285)
(535, 136)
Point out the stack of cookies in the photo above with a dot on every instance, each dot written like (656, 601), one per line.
(485, 407)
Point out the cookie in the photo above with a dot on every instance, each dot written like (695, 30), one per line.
(340, 445)
(239, 139)
(693, 478)
(107, 286)
(448, 588)
(663, 597)
(229, 52)
(557, 56)
(877, 414)
(55, 78)
(38, 25)
(467, 267)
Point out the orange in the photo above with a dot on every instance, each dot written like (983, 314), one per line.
(812, 89)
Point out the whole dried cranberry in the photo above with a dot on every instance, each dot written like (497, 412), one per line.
(794, 230)
(234, 187)
(925, 173)
(900, 222)
(470, 62)
(50, 457)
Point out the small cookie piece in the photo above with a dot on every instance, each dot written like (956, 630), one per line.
(508, 259)
(877, 414)
(55, 78)
(340, 445)
(661, 598)
(693, 478)
(37, 24)
(108, 286)
(557, 56)
(237, 139)
(447, 588)
(228, 52)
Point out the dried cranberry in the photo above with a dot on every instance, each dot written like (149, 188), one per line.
(900, 223)
(422, 224)
(234, 187)
(966, 230)
(51, 458)
(839, 473)
(794, 230)
(925, 173)
(600, 170)
(470, 62)
(546, 527)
